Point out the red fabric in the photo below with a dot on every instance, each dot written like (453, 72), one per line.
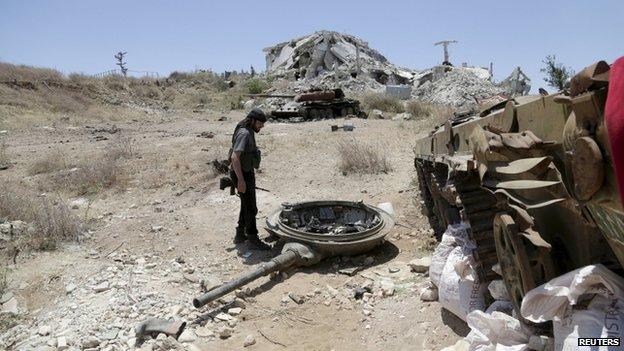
(614, 117)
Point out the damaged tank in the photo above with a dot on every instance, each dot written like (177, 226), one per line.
(316, 104)
(534, 179)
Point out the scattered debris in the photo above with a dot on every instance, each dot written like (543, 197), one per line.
(420, 265)
(298, 299)
(208, 135)
(347, 127)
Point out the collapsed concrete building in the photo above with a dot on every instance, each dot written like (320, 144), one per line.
(325, 52)
(327, 60)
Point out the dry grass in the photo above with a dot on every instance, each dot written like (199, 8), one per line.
(94, 175)
(48, 215)
(358, 157)
(9, 72)
(382, 102)
(419, 108)
(5, 161)
(53, 163)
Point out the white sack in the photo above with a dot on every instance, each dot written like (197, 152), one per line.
(496, 332)
(454, 236)
(584, 303)
(460, 291)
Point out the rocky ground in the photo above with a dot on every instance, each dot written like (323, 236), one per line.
(156, 240)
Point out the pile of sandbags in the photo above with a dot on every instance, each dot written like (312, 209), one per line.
(453, 272)
(584, 303)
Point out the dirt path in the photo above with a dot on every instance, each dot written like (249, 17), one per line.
(170, 225)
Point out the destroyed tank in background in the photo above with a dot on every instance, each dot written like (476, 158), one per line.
(315, 105)
(533, 177)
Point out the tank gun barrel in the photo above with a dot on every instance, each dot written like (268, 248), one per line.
(292, 254)
(285, 96)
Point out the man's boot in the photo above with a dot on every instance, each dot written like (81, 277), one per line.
(240, 236)
(258, 244)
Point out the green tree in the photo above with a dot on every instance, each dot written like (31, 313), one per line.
(557, 75)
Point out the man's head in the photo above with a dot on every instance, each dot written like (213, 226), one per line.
(257, 119)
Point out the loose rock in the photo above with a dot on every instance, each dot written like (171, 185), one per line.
(224, 332)
(420, 265)
(249, 340)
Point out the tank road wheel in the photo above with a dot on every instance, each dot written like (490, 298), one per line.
(523, 265)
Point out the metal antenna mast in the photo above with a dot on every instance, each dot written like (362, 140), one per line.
(445, 44)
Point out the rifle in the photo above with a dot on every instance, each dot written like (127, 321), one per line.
(226, 182)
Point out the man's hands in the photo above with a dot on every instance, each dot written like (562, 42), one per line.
(241, 186)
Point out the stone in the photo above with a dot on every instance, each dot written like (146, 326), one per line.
(429, 294)
(387, 287)
(223, 316)
(224, 332)
(103, 286)
(393, 269)
(232, 322)
(175, 310)
(211, 282)
(51, 342)
(110, 334)
(366, 312)
(420, 265)
(235, 311)
(131, 342)
(61, 343)
(6, 297)
(43, 330)
(77, 203)
(540, 343)
(90, 343)
(249, 340)
(69, 288)
(238, 302)
(368, 261)
(204, 332)
(376, 114)
(156, 228)
(403, 116)
(187, 336)
(10, 306)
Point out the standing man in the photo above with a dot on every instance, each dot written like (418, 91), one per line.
(245, 156)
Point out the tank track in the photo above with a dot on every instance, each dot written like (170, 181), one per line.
(478, 208)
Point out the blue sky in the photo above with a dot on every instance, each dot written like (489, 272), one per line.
(163, 36)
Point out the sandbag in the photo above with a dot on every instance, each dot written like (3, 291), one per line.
(460, 291)
(496, 332)
(455, 235)
(498, 290)
(584, 303)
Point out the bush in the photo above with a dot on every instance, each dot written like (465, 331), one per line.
(383, 102)
(48, 215)
(53, 163)
(256, 86)
(9, 72)
(419, 108)
(361, 158)
(93, 176)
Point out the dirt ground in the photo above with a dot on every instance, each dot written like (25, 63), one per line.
(170, 210)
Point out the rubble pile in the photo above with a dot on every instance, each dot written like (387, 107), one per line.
(101, 311)
(327, 59)
(459, 87)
